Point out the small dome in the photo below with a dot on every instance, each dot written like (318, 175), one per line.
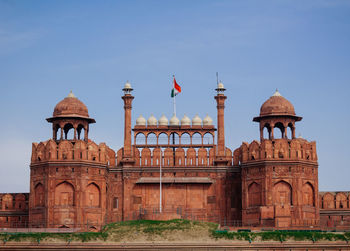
(127, 85)
(152, 121)
(196, 121)
(221, 85)
(163, 121)
(141, 121)
(174, 121)
(71, 106)
(186, 121)
(277, 105)
(207, 121)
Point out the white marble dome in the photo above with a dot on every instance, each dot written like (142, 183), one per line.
(174, 121)
(207, 120)
(152, 121)
(196, 121)
(185, 120)
(127, 85)
(141, 121)
(220, 85)
(163, 121)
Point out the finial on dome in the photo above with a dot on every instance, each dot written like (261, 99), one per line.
(71, 95)
(277, 94)
(127, 88)
(220, 88)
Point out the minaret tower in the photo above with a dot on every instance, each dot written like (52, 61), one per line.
(220, 98)
(128, 98)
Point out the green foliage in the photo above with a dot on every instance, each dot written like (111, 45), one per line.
(281, 236)
(38, 237)
(152, 230)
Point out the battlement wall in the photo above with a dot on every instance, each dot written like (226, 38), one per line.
(72, 150)
(184, 157)
(295, 149)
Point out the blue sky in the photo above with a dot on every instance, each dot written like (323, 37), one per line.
(48, 48)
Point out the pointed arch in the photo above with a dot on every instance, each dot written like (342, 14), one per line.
(254, 194)
(328, 201)
(280, 134)
(282, 193)
(7, 202)
(39, 195)
(308, 194)
(64, 194)
(341, 200)
(93, 195)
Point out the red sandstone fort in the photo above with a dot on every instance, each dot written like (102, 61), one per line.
(268, 183)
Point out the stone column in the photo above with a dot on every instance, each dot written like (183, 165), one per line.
(127, 125)
(75, 133)
(61, 133)
(86, 131)
(271, 136)
(285, 136)
(220, 100)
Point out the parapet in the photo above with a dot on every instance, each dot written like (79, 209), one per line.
(78, 150)
(278, 149)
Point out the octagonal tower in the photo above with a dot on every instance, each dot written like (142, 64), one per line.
(279, 174)
(68, 173)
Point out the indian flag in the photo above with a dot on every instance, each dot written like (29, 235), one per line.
(176, 90)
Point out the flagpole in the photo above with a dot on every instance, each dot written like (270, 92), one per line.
(174, 95)
(160, 180)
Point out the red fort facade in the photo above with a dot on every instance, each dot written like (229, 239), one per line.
(271, 182)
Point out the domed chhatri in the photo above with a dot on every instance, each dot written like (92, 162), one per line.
(207, 121)
(141, 121)
(152, 121)
(277, 105)
(196, 121)
(174, 121)
(71, 106)
(163, 121)
(185, 121)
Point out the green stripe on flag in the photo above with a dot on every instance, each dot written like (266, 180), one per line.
(174, 92)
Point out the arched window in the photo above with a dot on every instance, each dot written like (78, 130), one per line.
(266, 131)
(163, 139)
(196, 139)
(208, 139)
(278, 134)
(151, 139)
(68, 133)
(174, 138)
(80, 131)
(185, 139)
(140, 139)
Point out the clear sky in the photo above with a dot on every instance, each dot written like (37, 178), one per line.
(48, 48)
